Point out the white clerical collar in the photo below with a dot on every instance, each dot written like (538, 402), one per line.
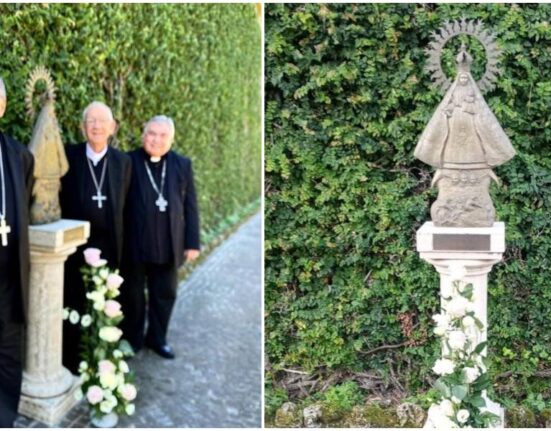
(93, 156)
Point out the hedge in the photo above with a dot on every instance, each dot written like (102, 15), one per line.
(200, 64)
(346, 101)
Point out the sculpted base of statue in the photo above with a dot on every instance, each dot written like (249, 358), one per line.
(463, 198)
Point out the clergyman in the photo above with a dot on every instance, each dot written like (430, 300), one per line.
(16, 177)
(94, 189)
(162, 222)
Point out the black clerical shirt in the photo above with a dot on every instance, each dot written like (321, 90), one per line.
(9, 265)
(155, 244)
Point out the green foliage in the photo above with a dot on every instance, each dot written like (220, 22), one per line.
(273, 399)
(343, 397)
(346, 101)
(199, 64)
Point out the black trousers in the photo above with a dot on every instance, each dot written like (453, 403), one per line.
(161, 283)
(11, 370)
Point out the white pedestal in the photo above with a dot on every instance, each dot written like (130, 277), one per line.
(47, 393)
(476, 249)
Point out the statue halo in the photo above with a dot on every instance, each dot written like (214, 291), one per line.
(452, 29)
(40, 73)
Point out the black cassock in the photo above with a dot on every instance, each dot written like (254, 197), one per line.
(106, 228)
(154, 244)
(18, 165)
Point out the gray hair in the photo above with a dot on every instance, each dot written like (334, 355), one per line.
(161, 119)
(97, 104)
(2, 89)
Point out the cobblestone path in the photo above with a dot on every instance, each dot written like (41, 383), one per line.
(215, 380)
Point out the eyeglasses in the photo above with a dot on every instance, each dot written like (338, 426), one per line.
(99, 121)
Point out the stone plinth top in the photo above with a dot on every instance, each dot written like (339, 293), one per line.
(461, 242)
(59, 235)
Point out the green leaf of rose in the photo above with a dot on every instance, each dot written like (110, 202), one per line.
(460, 391)
(478, 350)
(444, 389)
(477, 401)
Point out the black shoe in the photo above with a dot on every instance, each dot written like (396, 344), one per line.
(165, 351)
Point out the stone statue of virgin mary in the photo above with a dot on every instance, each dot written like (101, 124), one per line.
(464, 141)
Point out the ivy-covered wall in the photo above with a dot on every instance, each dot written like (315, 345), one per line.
(199, 64)
(346, 101)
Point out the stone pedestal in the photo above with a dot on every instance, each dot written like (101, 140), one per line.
(48, 388)
(476, 249)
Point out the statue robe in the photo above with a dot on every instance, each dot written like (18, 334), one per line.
(483, 144)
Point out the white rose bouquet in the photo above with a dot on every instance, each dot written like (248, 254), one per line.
(105, 375)
(463, 379)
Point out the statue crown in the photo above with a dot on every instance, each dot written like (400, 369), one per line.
(464, 60)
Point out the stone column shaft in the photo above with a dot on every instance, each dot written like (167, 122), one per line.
(477, 250)
(47, 392)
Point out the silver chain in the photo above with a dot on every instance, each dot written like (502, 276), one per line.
(152, 181)
(102, 178)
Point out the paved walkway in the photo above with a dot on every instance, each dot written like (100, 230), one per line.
(215, 380)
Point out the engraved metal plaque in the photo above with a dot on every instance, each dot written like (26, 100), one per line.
(74, 234)
(458, 242)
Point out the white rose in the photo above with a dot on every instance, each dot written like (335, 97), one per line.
(462, 416)
(104, 273)
(106, 407)
(105, 366)
(470, 374)
(456, 400)
(74, 317)
(130, 409)
(457, 307)
(95, 296)
(457, 271)
(65, 313)
(111, 334)
(443, 367)
(108, 381)
(123, 366)
(82, 366)
(439, 419)
(117, 354)
(441, 319)
(457, 340)
(86, 320)
(440, 330)
(99, 305)
(446, 406)
(128, 391)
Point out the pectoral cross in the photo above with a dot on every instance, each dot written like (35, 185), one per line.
(4, 231)
(161, 203)
(99, 197)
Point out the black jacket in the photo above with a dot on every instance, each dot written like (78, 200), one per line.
(182, 206)
(119, 170)
(21, 162)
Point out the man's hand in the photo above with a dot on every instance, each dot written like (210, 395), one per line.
(191, 255)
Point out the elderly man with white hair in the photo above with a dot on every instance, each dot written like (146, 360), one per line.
(162, 222)
(16, 176)
(94, 189)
